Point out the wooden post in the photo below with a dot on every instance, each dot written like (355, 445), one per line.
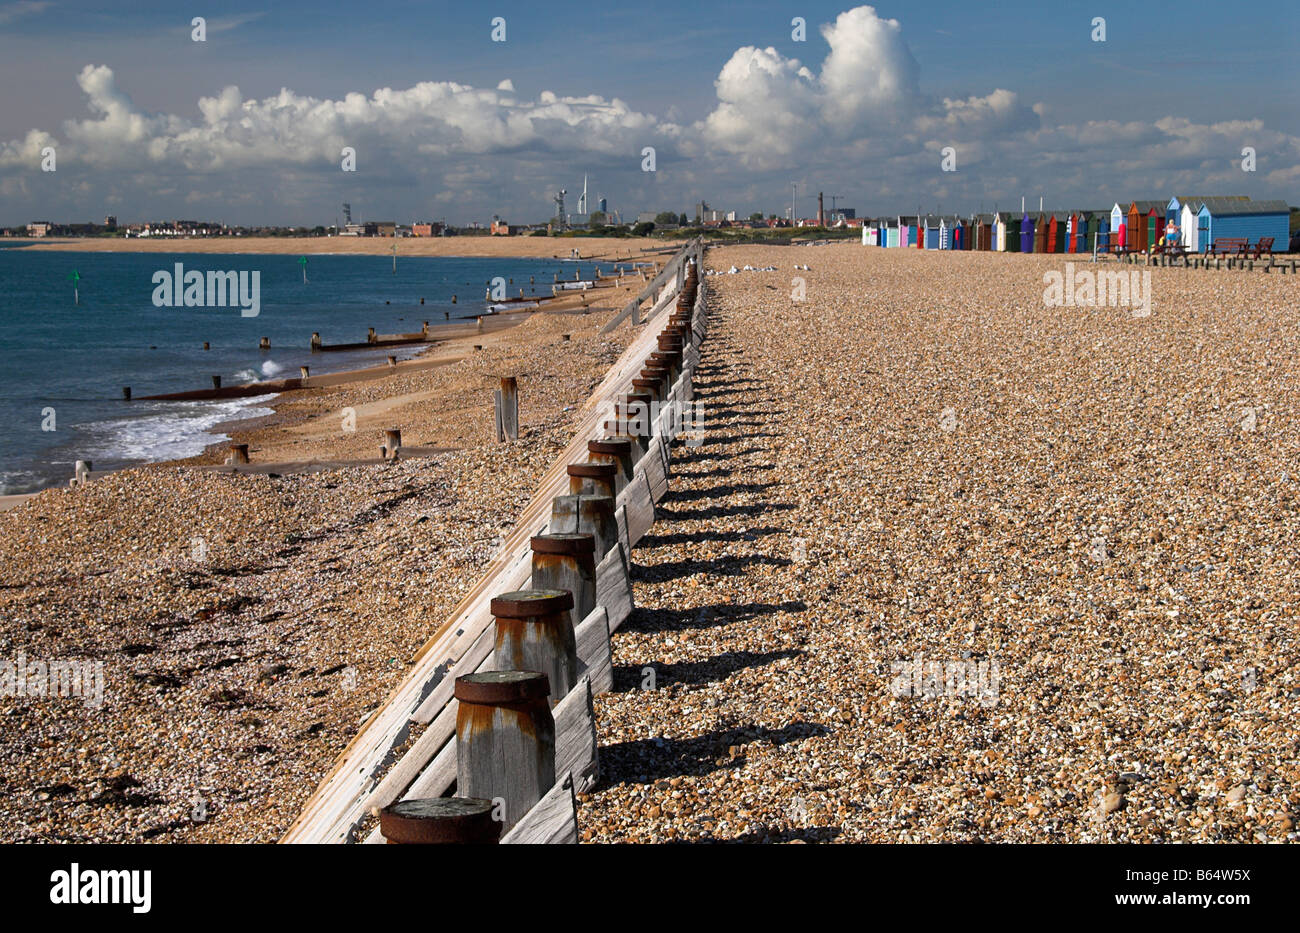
(534, 632)
(505, 739)
(315, 343)
(81, 472)
(592, 479)
(440, 821)
(509, 408)
(634, 420)
(651, 385)
(392, 441)
(567, 562)
(216, 382)
(238, 453)
(615, 450)
(264, 343)
(303, 372)
(370, 335)
(205, 345)
(671, 359)
(392, 361)
(590, 515)
(126, 393)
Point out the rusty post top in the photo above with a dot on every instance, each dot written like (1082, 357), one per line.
(617, 446)
(491, 688)
(439, 821)
(525, 604)
(632, 398)
(571, 545)
(594, 470)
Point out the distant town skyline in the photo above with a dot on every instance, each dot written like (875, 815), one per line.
(461, 113)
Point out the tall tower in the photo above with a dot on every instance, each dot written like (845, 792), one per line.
(559, 208)
(582, 201)
(821, 212)
(347, 213)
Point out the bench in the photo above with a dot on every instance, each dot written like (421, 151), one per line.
(1229, 246)
(1262, 248)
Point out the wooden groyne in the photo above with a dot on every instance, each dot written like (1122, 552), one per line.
(549, 600)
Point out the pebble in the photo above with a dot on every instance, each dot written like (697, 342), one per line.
(825, 425)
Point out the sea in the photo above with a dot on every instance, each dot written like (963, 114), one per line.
(76, 327)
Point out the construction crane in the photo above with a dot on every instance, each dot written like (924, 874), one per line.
(834, 198)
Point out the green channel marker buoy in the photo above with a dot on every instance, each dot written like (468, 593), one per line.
(76, 287)
(302, 261)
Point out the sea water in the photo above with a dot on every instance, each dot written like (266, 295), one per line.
(64, 359)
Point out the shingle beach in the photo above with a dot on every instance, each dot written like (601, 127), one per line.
(1091, 516)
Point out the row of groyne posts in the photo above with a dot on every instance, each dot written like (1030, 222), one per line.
(1238, 261)
(525, 736)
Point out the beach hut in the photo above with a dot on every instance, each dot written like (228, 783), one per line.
(945, 234)
(1100, 231)
(1135, 224)
(1244, 219)
(929, 225)
(1188, 226)
(985, 231)
(1118, 218)
(891, 236)
(1026, 234)
(1041, 223)
(960, 235)
(1085, 222)
(1000, 232)
(1144, 226)
(1056, 232)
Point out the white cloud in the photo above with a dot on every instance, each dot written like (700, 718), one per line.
(481, 150)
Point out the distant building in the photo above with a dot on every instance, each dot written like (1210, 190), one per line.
(426, 229)
(38, 228)
(646, 217)
(110, 223)
(501, 228)
(381, 228)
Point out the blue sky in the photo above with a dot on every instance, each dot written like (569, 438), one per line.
(1029, 103)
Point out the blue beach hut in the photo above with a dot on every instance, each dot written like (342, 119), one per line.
(1249, 220)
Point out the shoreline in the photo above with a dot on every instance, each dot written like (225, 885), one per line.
(607, 295)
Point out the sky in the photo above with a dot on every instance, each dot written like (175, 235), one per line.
(892, 108)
